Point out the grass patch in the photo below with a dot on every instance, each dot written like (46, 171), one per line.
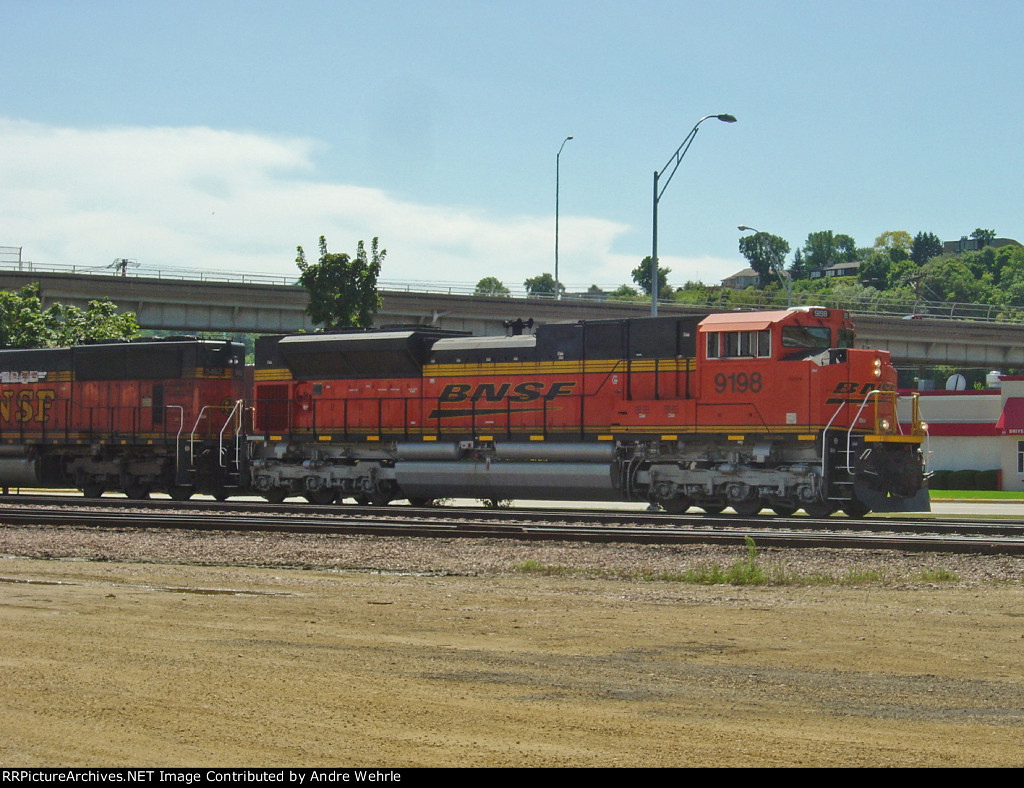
(938, 575)
(991, 495)
(532, 567)
(746, 571)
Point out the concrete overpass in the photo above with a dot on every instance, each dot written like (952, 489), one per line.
(177, 304)
(172, 304)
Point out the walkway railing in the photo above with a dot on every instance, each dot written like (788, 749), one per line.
(716, 299)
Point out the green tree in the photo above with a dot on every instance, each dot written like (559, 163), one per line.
(642, 276)
(1007, 260)
(901, 274)
(542, 285)
(798, 269)
(825, 248)
(957, 279)
(846, 248)
(624, 293)
(983, 237)
(925, 247)
(100, 321)
(21, 318)
(874, 270)
(342, 289)
(491, 286)
(695, 293)
(766, 254)
(895, 243)
(25, 324)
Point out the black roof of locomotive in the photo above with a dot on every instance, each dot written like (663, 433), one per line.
(392, 353)
(643, 337)
(140, 359)
(402, 351)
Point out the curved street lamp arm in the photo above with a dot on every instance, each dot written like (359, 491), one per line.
(685, 146)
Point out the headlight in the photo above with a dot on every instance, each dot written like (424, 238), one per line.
(885, 425)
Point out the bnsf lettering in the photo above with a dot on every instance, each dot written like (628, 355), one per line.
(26, 406)
(852, 387)
(490, 392)
(454, 392)
(851, 391)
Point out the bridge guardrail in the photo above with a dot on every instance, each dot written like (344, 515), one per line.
(721, 299)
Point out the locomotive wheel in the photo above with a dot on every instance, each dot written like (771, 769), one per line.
(854, 508)
(713, 508)
(321, 497)
(421, 503)
(274, 495)
(137, 492)
(379, 499)
(820, 509)
(92, 490)
(220, 495)
(675, 505)
(783, 509)
(362, 499)
(747, 508)
(180, 493)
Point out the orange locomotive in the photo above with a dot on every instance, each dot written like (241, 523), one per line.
(127, 416)
(748, 410)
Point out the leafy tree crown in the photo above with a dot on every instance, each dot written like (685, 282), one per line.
(342, 289)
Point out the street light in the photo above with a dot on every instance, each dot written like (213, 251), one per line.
(558, 164)
(678, 156)
(787, 284)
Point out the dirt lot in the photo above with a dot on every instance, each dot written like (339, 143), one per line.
(133, 660)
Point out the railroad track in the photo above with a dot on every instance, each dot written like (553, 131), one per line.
(930, 534)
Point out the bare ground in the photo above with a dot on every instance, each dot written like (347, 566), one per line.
(190, 650)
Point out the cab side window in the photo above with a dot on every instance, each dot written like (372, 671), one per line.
(739, 344)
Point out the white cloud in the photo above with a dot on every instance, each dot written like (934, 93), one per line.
(230, 201)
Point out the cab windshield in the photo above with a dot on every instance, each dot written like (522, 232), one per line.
(807, 336)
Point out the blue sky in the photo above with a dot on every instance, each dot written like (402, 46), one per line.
(219, 135)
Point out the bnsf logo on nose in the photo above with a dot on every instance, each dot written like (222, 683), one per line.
(490, 392)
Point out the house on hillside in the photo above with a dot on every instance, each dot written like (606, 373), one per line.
(741, 279)
(839, 269)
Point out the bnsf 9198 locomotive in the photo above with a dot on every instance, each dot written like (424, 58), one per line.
(746, 410)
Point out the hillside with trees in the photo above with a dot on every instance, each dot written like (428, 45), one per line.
(897, 273)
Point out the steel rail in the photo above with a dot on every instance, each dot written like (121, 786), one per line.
(1009, 526)
(416, 525)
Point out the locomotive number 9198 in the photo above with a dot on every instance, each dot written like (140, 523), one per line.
(738, 382)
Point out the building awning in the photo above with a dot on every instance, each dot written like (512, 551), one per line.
(1011, 419)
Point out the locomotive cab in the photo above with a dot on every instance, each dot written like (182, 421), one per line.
(793, 376)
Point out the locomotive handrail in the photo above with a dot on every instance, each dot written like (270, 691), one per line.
(853, 421)
(824, 439)
(177, 438)
(238, 431)
(192, 435)
(917, 425)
